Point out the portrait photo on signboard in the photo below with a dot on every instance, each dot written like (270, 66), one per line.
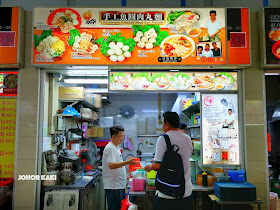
(209, 49)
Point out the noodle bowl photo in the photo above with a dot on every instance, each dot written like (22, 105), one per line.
(178, 46)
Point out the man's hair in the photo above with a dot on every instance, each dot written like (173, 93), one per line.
(207, 44)
(172, 118)
(214, 43)
(199, 47)
(213, 11)
(182, 126)
(114, 130)
(229, 110)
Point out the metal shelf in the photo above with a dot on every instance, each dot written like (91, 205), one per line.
(76, 102)
(195, 108)
(195, 126)
(195, 137)
(76, 118)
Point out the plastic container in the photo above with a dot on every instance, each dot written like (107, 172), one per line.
(237, 175)
(6, 181)
(273, 200)
(138, 184)
(197, 145)
(151, 174)
(222, 178)
(151, 182)
(198, 179)
(275, 186)
(210, 180)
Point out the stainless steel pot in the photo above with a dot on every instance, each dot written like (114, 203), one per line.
(51, 160)
(67, 176)
(66, 165)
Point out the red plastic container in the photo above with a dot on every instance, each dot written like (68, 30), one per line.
(6, 181)
(138, 184)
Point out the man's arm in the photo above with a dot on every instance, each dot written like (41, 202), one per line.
(215, 33)
(121, 164)
(154, 166)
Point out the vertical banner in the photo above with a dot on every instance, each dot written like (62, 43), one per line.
(220, 132)
(8, 110)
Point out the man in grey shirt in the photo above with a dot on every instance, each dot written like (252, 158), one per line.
(114, 173)
(170, 126)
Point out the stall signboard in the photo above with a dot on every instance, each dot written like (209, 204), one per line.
(220, 133)
(172, 81)
(8, 112)
(11, 34)
(152, 36)
(8, 83)
(271, 36)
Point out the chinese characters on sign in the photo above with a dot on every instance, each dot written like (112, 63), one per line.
(8, 108)
(116, 17)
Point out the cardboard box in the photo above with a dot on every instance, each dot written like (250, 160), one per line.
(71, 92)
(87, 113)
(91, 132)
(100, 132)
(97, 101)
(95, 132)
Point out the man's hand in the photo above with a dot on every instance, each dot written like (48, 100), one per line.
(212, 35)
(132, 162)
(147, 168)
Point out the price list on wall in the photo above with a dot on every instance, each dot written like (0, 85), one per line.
(8, 110)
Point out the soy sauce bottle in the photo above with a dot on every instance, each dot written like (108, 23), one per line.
(204, 179)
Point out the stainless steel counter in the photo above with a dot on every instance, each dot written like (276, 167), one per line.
(80, 184)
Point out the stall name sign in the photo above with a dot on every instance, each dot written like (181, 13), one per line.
(172, 81)
(271, 36)
(220, 132)
(8, 83)
(156, 36)
(132, 18)
(8, 110)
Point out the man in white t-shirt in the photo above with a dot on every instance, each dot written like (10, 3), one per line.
(170, 126)
(213, 26)
(114, 173)
(207, 52)
(230, 118)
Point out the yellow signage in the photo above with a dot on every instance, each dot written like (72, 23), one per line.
(8, 110)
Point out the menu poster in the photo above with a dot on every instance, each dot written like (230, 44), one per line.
(172, 81)
(220, 132)
(8, 110)
(8, 83)
(272, 35)
(129, 36)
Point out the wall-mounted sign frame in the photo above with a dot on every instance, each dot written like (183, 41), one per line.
(173, 81)
(270, 38)
(12, 37)
(129, 37)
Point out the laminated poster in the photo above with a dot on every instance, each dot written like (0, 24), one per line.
(220, 132)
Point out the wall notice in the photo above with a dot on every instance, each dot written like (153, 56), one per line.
(8, 110)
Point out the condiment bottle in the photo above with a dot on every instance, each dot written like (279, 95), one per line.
(204, 179)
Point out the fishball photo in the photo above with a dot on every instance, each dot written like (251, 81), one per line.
(209, 49)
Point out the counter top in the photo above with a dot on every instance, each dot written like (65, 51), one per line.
(80, 184)
(196, 188)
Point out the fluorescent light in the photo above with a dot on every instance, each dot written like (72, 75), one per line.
(86, 81)
(97, 90)
(88, 73)
(174, 70)
(271, 74)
